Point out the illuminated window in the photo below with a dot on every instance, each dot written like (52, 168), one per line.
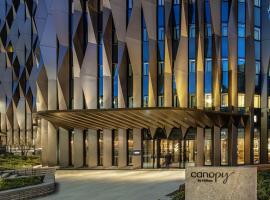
(257, 101)
(208, 100)
(240, 146)
(256, 146)
(208, 146)
(268, 102)
(241, 100)
(224, 100)
(224, 146)
(255, 118)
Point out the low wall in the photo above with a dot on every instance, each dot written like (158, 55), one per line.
(47, 187)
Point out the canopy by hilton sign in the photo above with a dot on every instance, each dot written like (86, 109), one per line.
(204, 176)
(221, 183)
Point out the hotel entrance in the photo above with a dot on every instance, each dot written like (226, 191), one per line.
(179, 151)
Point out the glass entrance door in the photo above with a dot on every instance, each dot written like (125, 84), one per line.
(181, 152)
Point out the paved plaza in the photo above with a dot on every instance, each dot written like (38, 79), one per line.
(116, 184)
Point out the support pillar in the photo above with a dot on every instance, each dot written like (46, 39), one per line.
(137, 145)
(122, 136)
(63, 147)
(216, 149)
(52, 145)
(200, 147)
(92, 148)
(78, 148)
(232, 145)
(248, 144)
(44, 141)
(107, 148)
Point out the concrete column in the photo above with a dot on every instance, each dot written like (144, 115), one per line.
(44, 141)
(52, 145)
(122, 136)
(232, 145)
(107, 148)
(63, 147)
(216, 149)
(78, 148)
(92, 148)
(200, 147)
(137, 145)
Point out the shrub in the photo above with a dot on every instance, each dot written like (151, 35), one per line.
(263, 186)
(11, 183)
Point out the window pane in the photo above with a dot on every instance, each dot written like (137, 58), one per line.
(256, 146)
(208, 146)
(240, 146)
(224, 146)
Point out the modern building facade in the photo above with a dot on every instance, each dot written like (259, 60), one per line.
(123, 83)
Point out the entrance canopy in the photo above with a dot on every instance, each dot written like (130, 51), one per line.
(132, 118)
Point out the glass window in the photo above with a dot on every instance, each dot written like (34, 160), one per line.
(240, 146)
(224, 29)
(100, 147)
(241, 30)
(258, 67)
(208, 147)
(130, 146)
(176, 2)
(176, 33)
(160, 101)
(192, 66)
(161, 33)
(208, 100)
(257, 33)
(257, 101)
(257, 50)
(256, 146)
(145, 101)
(241, 100)
(160, 68)
(257, 16)
(268, 102)
(257, 3)
(225, 11)
(208, 30)
(192, 101)
(145, 69)
(161, 2)
(145, 35)
(192, 32)
(130, 4)
(224, 146)
(224, 100)
(115, 146)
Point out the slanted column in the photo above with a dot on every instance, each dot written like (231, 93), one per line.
(52, 132)
(92, 148)
(63, 147)
(107, 148)
(200, 147)
(248, 143)
(122, 136)
(137, 145)
(216, 149)
(78, 148)
(52, 145)
(232, 145)
(44, 142)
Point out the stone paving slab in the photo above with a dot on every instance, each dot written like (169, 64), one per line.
(116, 184)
